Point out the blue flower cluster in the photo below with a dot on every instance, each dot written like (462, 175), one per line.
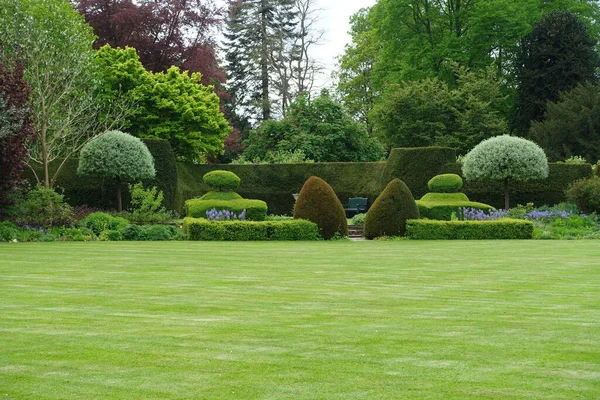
(474, 214)
(225, 215)
(547, 215)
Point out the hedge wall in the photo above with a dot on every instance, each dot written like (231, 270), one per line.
(539, 192)
(166, 170)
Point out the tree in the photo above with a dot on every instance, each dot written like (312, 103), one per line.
(119, 156)
(431, 113)
(571, 126)
(55, 45)
(556, 56)
(173, 105)
(165, 33)
(506, 158)
(15, 126)
(321, 129)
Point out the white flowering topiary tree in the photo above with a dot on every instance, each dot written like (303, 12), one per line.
(506, 158)
(117, 155)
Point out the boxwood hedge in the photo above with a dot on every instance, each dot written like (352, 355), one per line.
(202, 229)
(424, 229)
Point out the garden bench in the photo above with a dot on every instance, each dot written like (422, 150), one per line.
(356, 205)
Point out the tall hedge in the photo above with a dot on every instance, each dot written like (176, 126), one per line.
(166, 170)
(318, 203)
(390, 211)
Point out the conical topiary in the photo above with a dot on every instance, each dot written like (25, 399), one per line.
(388, 214)
(318, 203)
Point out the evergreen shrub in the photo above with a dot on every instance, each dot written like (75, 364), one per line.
(221, 180)
(390, 211)
(445, 183)
(586, 194)
(424, 229)
(202, 229)
(44, 207)
(317, 202)
(100, 221)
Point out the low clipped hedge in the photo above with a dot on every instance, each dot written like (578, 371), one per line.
(256, 210)
(202, 229)
(441, 206)
(423, 229)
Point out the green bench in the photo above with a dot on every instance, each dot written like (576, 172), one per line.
(356, 205)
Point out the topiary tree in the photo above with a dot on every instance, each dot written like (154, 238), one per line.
(318, 203)
(388, 214)
(119, 156)
(221, 181)
(506, 158)
(445, 183)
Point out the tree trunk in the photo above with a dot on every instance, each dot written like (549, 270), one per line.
(264, 63)
(119, 197)
(506, 202)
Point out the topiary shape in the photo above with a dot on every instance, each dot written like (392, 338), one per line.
(318, 203)
(388, 214)
(221, 180)
(445, 183)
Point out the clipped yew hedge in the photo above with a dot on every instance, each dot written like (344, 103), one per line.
(202, 229)
(424, 229)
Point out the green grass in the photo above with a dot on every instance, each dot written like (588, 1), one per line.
(323, 320)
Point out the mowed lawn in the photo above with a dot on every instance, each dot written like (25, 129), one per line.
(318, 320)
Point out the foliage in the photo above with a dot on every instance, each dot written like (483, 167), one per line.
(119, 156)
(110, 235)
(55, 45)
(15, 127)
(275, 157)
(216, 195)
(358, 219)
(147, 204)
(164, 33)
(318, 203)
(571, 125)
(220, 180)
(586, 194)
(166, 169)
(43, 207)
(445, 183)
(506, 158)
(133, 232)
(100, 221)
(432, 113)
(255, 210)
(390, 211)
(298, 229)
(160, 232)
(171, 105)
(320, 128)
(8, 231)
(444, 209)
(556, 56)
(424, 229)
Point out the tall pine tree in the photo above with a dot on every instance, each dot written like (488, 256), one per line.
(257, 31)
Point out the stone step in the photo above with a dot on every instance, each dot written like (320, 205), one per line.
(355, 231)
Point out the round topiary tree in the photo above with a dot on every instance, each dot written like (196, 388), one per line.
(506, 158)
(388, 214)
(221, 181)
(318, 203)
(117, 155)
(445, 183)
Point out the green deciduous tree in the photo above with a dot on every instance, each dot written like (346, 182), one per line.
(55, 45)
(571, 126)
(173, 105)
(505, 158)
(119, 156)
(321, 129)
(432, 113)
(556, 56)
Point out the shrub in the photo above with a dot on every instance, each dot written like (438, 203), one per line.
(318, 203)
(110, 235)
(147, 205)
(221, 180)
(445, 183)
(358, 219)
(117, 155)
(221, 196)
(8, 231)
(424, 229)
(160, 232)
(506, 158)
(298, 229)
(256, 210)
(46, 208)
(390, 211)
(441, 210)
(133, 232)
(166, 169)
(586, 194)
(76, 234)
(99, 221)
